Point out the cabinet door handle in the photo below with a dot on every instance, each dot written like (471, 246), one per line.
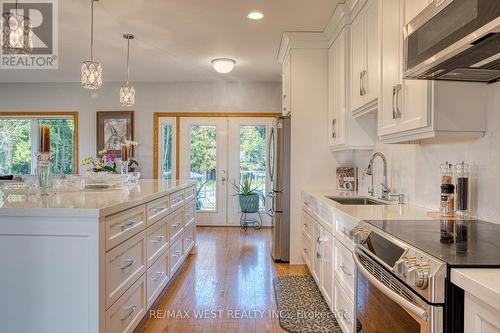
(398, 110)
(394, 112)
(345, 270)
(129, 313)
(158, 276)
(362, 90)
(129, 263)
(334, 129)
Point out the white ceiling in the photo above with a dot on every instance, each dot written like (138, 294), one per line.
(176, 39)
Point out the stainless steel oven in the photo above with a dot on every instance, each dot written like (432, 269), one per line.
(385, 304)
(454, 40)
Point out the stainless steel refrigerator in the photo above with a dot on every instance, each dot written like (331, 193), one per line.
(279, 197)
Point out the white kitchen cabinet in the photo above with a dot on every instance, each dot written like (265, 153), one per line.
(480, 317)
(321, 263)
(364, 56)
(285, 101)
(411, 110)
(345, 132)
(327, 265)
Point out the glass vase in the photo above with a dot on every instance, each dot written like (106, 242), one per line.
(43, 170)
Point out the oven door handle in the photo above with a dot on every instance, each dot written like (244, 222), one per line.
(407, 305)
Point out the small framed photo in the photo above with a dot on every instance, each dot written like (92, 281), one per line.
(113, 129)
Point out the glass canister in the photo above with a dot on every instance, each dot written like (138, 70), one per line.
(462, 176)
(446, 173)
(447, 200)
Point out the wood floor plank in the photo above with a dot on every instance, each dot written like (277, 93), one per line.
(226, 287)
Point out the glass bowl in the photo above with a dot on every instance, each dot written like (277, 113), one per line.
(134, 177)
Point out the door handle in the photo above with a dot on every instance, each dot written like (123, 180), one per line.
(394, 113)
(398, 110)
(362, 90)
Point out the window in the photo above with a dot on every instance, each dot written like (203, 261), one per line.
(19, 141)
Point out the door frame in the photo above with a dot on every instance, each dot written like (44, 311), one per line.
(179, 115)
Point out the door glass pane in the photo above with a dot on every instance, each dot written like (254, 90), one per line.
(61, 144)
(203, 165)
(15, 146)
(167, 151)
(253, 157)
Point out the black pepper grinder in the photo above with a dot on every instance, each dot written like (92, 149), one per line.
(462, 172)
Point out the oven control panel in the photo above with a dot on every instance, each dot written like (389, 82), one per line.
(418, 270)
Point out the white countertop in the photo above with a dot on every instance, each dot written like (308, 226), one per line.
(483, 283)
(91, 203)
(391, 211)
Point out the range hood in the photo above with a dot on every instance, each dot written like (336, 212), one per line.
(454, 40)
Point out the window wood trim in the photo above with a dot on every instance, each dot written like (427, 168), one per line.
(72, 114)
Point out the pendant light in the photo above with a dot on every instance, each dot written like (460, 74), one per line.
(92, 70)
(127, 92)
(16, 33)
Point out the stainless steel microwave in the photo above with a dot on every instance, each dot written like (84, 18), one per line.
(457, 40)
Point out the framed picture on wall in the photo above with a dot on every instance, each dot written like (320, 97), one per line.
(113, 129)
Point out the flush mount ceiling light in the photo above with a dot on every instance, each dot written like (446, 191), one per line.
(255, 15)
(91, 70)
(223, 65)
(16, 33)
(127, 92)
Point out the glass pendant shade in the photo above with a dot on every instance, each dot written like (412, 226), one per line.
(91, 75)
(127, 95)
(16, 34)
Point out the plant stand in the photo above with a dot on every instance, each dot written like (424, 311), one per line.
(245, 223)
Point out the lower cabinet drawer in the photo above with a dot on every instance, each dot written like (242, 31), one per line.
(176, 225)
(175, 256)
(189, 193)
(307, 251)
(122, 226)
(176, 200)
(343, 228)
(189, 214)
(157, 239)
(344, 309)
(157, 278)
(188, 239)
(344, 268)
(124, 264)
(127, 312)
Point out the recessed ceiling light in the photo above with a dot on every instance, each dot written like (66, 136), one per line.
(223, 65)
(255, 15)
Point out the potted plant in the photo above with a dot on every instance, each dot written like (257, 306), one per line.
(248, 195)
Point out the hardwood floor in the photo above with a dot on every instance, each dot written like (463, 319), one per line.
(231, 278)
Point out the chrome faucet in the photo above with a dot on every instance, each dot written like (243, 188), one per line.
(384, 189)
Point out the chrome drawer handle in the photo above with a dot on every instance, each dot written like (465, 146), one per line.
(129, 263)
(158, 276)
(176, 254)
(158, 210)
(176, 201)
(130, 224)
(129, 313)
(158, 239)
(345, 270)
(175, 225)
(189, 238)
(305, 251)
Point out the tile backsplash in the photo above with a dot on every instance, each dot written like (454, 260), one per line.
(414, 169)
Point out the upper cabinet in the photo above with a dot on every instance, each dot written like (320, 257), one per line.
(344, 131)
(364, 59)
(411, 110)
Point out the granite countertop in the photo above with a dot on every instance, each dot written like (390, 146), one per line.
(91, 203)
(480, 282)
(392, 211)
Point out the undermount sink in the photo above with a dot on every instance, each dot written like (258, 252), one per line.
(356, 201)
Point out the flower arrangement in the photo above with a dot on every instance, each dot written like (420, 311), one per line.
(105, 163)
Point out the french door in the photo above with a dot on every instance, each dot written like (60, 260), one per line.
(217, 152)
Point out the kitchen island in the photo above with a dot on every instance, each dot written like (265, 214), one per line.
(95, 260)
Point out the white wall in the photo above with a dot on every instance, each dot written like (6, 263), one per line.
(217, 96)
(414, 169)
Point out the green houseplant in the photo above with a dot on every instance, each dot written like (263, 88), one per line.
(248, 195)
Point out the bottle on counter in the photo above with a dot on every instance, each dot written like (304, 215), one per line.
(447, 200)
(446, 173)
(462, 173)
